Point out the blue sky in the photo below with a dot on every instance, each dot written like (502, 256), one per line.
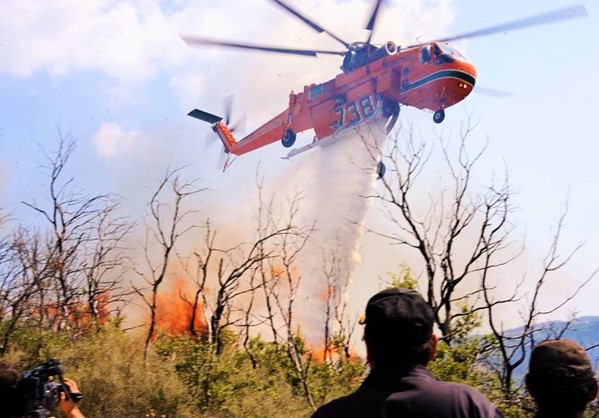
(116, 76)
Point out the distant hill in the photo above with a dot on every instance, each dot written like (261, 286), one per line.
(584, 330)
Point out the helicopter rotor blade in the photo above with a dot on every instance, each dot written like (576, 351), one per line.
(222, 157)
(228, 103)
(211, 139)
(391, 122)
(309, 22)
(372, 20)
(570, 12)
(499, 94)
(192, 40)
(237, 126)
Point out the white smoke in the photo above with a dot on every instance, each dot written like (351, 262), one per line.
(338, 178)
(346, 174)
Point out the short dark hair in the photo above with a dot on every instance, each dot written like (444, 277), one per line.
(560, 375)
(390, 351)
(9, 391)
(398, 327)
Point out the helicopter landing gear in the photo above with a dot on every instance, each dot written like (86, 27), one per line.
(381, 168)
(288, 138)
(439, 116)
(390, 111)
(390, 108)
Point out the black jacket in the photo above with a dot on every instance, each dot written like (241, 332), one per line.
(409, 393)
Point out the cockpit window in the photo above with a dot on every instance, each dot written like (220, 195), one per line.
(444, 59)
(445, 49)
(439, 52)
(451, 51)
(425, 54)
(443, 54)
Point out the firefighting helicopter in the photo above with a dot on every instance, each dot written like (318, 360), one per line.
(375, 81)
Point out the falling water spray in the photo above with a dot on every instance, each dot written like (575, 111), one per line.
(344, 174)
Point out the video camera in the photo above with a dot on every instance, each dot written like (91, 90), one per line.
(40, 390)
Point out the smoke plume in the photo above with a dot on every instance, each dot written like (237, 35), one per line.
(342, 175)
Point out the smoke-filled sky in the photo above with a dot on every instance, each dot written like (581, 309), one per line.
(116, 76)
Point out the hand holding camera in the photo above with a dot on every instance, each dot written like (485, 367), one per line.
(68, 404)
(43, 388)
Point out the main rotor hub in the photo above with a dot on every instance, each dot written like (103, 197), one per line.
(356, 46)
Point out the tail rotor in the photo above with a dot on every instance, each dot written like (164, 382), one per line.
(217, 123)
(237, 126)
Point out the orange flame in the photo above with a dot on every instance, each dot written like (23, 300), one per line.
(78, 312)
(332, 353)
(174, 312)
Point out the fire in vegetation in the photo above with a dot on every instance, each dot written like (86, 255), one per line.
(79, 312)
(178, 313)
(281, 273)
(334, 354)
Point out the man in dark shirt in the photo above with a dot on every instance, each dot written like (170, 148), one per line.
(560, 379)
(400, 342)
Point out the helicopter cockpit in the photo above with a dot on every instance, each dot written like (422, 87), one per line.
(439, 53)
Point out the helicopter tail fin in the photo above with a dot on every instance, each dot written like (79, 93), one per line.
(205, 116)
(218, 126)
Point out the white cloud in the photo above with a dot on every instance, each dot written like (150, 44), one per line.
(112, 140)
(188, 88)
(126, 40)
(136, 39)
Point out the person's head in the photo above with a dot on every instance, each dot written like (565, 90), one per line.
(9, 391)
(398, 328)
(560, 376)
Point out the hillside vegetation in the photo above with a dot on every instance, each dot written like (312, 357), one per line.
(182, 377)
(226, 340)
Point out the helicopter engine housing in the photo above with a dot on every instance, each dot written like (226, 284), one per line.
(390, 48)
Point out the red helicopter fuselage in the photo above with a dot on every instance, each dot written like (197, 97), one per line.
(374, 82)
